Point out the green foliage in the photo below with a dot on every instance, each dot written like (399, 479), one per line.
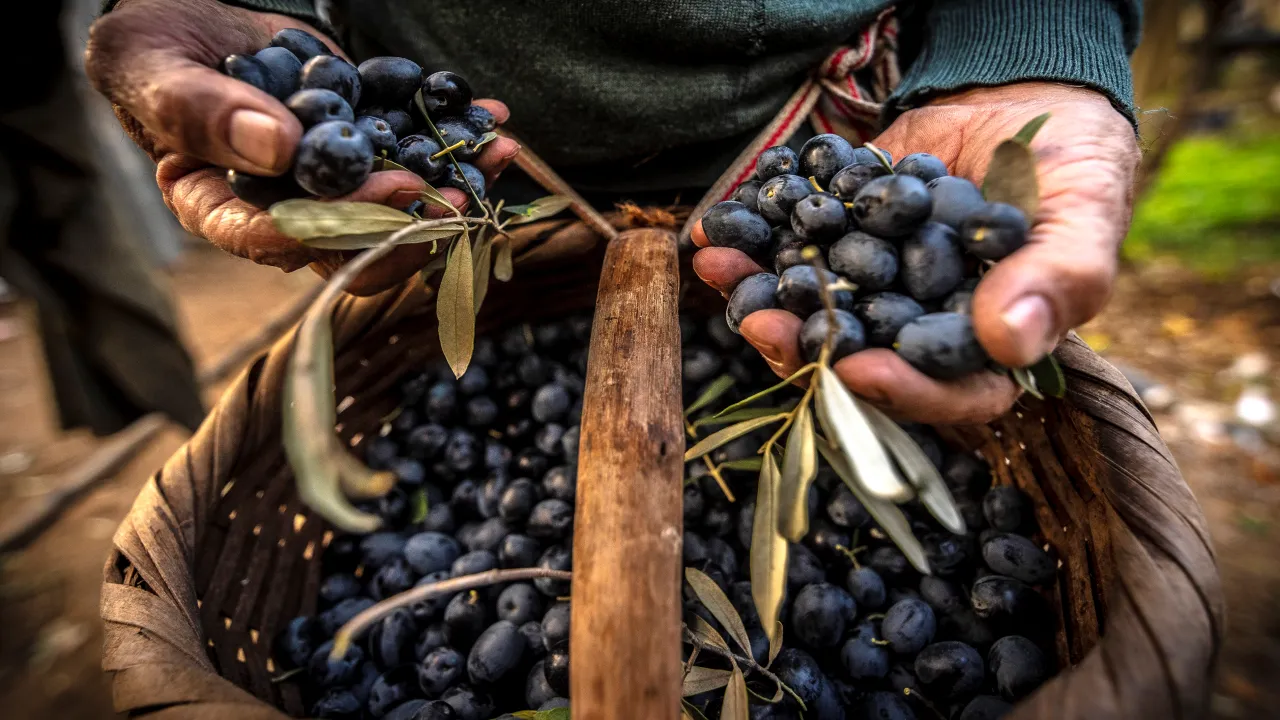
(1214, 207)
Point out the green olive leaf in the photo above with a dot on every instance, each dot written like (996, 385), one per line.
(560, 713)
(768, 550)
(1026, 381)
(851, 433)
(799, 468)
(713, 391)
(701, 679)
(749, 464)
(735, 705)
(538, 209)
(368, 240)
(1028, 131)
(714, 600)
(420, 506)
(1049, 377)
(480, 267)
(502, 264)
(309, 219)
(769, 390)
(733, 432)
(1011, 178)
(918, 469)
(455, 308)
(886, 514)
(484, 139)
(740, 415)
(432, 196)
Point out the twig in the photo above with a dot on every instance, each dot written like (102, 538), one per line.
(363, 620)
(700, 644)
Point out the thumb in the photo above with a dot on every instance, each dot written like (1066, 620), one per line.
(1060, 279)
(153, 60)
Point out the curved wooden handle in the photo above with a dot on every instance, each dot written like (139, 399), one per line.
(625, 642)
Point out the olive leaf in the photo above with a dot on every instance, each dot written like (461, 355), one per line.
(848, 429)
(768, 550)
(707, 634)
(480, 269)
(714, 600)
(1026, 381)
(484, 139)
(538, 209)
(735, 705)
(1011, 178)
(884, 159)
(434, 233)
(701, 679)
(384, 164)
(308, 219)
(740, 415)
(1049, 377)
(886, 514)
(689, 711)
(502, 264)
(560, 713)
(918, 469)
(769, 390)
(1028, 131)
(418, 501)
(733, 432)
(751, 464)
(799, 468)
(357, 480)
(713, 391)
(775, 642)
(432, 196)
(455, 309)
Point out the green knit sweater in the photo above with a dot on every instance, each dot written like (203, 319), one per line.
(628, 95)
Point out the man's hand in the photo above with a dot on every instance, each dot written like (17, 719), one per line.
(156, 61)
(1086, 157)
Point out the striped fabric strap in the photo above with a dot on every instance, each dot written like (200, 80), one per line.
(833, 100)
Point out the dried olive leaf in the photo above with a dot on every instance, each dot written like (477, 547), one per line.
(735, 705)
(774, 388)
(308, 419)
(733, 432)
(886, 514)
(707, 634)
(307, 219)
(714, 599)
(714, 390)
(502, 264)
(455, 308)
(799, 468)
(1028, 131)
(1049, 377)
(1026, 381)
(480, 266)
(701, 679)
(751, 464)
(848, 429)
(775, 642)
(768, 550)
(538, 209)
(432, 196)
(1011, 178)
(420, 506)
(689, 711)
(743, 414)
(918, 469)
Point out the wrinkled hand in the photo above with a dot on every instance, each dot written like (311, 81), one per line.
(1024, 306)
(156, 61)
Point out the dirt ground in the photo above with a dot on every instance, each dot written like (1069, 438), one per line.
(1176, 329)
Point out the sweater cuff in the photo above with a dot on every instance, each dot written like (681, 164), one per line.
(996, 42)
(300, 9)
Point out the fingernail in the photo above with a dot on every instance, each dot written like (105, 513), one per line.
(1030, 321)
(768, 351)
(254, 136)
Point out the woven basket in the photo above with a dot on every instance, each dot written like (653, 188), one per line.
(218, 554)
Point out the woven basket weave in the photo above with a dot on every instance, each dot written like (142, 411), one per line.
(218, 554)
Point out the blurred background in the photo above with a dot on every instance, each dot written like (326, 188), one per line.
(1194, 323)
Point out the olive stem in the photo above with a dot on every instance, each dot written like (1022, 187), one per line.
(366, 618)
(451, 148)
(700, 644)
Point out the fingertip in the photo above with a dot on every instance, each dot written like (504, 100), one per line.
(496, 156)
(499, 109)
(723, 268)
(887, 381)
(397, 188)
(699, 236)
(776, 335)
